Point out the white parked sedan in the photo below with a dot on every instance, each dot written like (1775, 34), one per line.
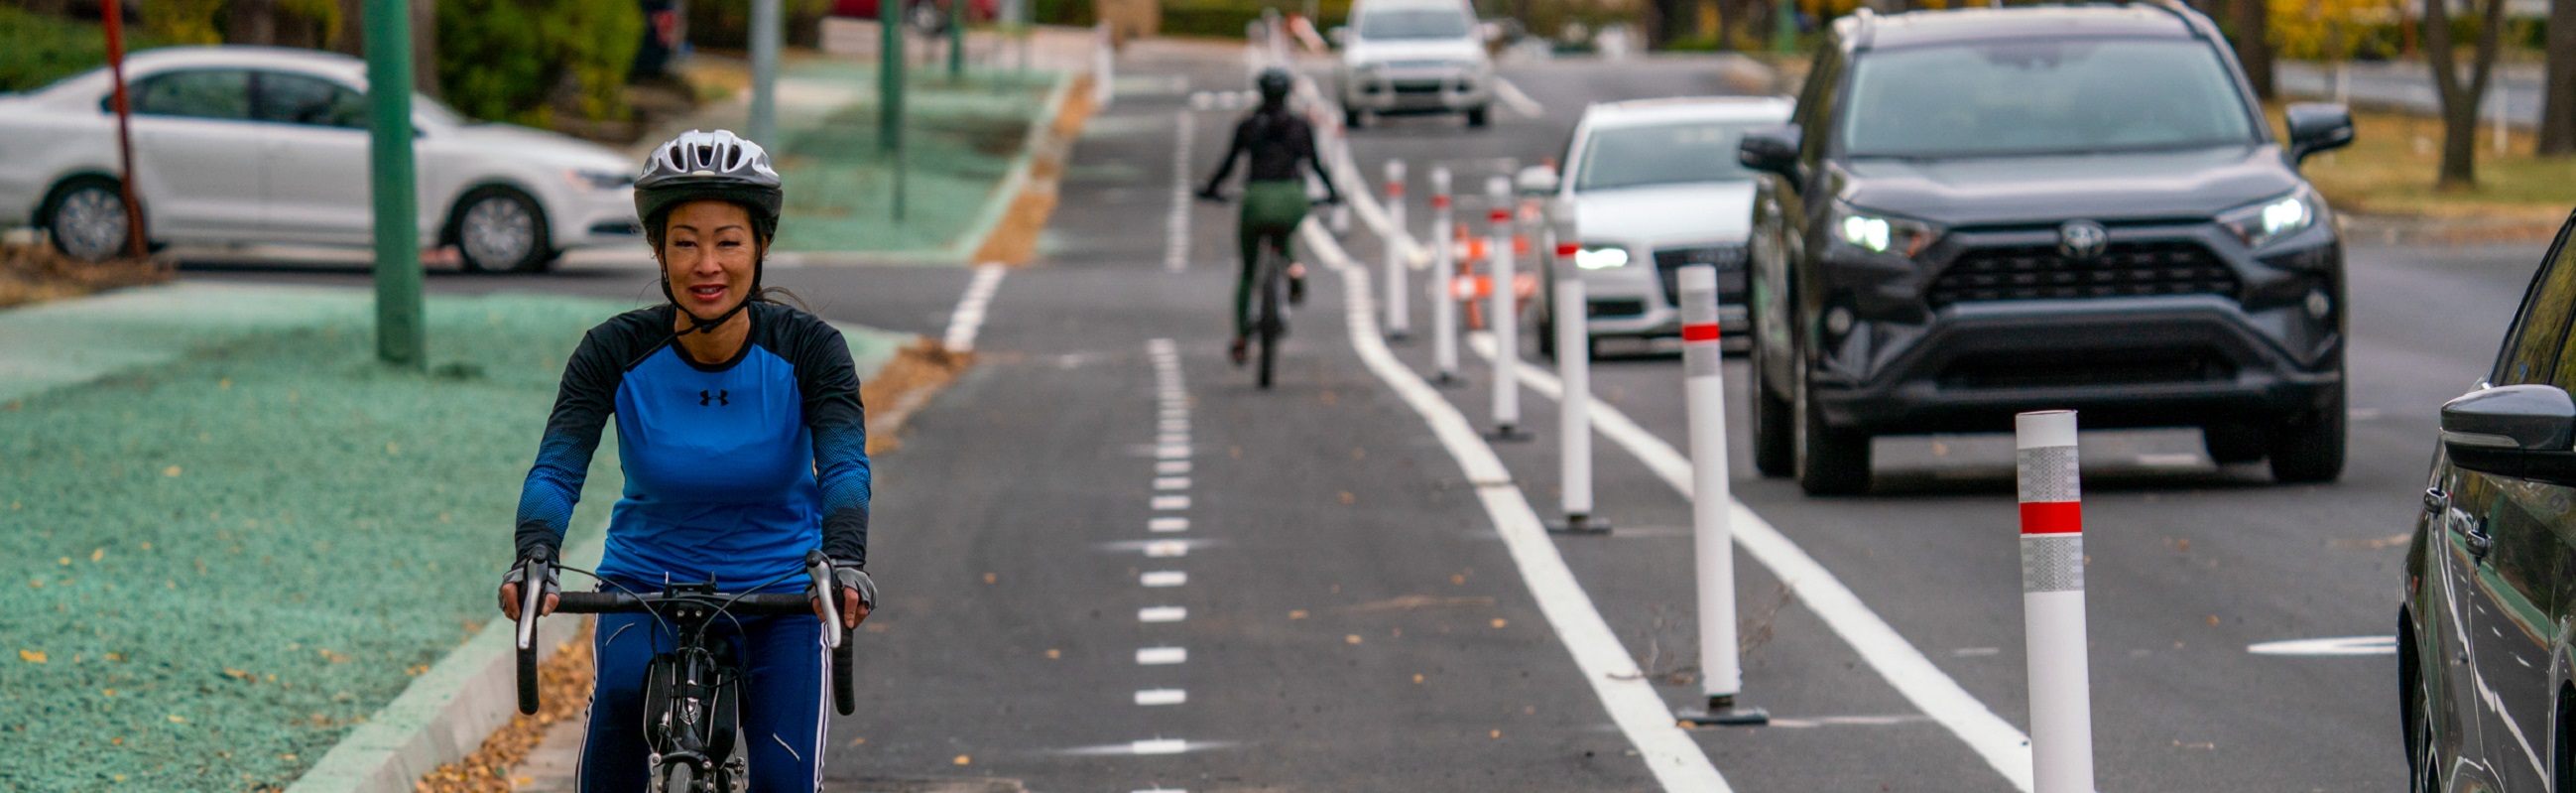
(237, 145)
(1654, 185)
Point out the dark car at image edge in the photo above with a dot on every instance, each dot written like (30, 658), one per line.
(1981, 212)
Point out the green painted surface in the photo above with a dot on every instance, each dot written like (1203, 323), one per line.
(959, 142)
(211, 486)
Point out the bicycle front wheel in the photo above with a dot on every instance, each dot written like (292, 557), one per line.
(680, 777)
(1270, 323)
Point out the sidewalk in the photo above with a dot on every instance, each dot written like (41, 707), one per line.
(234, 537)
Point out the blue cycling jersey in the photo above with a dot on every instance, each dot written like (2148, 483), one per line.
(734, 469)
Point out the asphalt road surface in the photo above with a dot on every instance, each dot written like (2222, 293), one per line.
(1114, 565)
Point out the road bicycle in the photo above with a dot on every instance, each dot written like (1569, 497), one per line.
(693, 691)
(1270, 307)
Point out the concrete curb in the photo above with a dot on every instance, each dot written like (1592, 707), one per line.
(1041, 130)
(445, 713)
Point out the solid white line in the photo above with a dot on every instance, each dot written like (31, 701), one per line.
(1172, 483)
(1631, 700)
(1162, 696)
(968, 319)
(1162, 614)
(1161, 656)
(1519, 101)
(1176, 229)
(1170, 502)
(1163, 578)
(1167, 523)
(2002, 745)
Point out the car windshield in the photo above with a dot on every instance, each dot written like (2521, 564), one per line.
(1414, 23)
(1692, 151)
(2043, 97)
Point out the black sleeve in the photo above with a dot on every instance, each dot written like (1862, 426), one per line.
(582, 408)
(1233, 151)
(829, 383)
(1305, 143)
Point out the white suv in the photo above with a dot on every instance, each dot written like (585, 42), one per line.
(1414, 56)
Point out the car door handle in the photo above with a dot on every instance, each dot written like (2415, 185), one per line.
(2474, 535)
(2436, 501)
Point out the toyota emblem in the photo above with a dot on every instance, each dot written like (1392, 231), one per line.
(2082, 240)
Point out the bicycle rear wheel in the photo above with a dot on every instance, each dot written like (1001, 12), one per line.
(1269, 324)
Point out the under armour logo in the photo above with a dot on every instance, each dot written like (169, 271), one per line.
(719, 398)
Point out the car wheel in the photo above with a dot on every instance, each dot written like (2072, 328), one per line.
(497, 229)
(1774, 454)
(1830, 462)
(87, 220)
(2423, 754)
(2232, 443)
(1477, 116)
(1351, 118)
(2310, 448)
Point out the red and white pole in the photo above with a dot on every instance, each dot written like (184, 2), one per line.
(1399, 306)
(1712, 502)
(1574, 410)
(1503, 320)
(112, 14)
(2052, 599)
(1444, 271)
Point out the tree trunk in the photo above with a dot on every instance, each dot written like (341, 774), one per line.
(2460, 102)
(424, 46)
(253, 22)
(2254, 44)
(352, 38)
(2558, 106)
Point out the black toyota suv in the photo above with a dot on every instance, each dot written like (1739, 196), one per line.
(1986, 211)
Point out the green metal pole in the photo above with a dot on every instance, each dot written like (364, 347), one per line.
(890, 75)
(956, 40)
(1784, 34)
(765, 35)
(398, 304)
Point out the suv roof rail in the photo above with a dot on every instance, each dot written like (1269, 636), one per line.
(1864, 25)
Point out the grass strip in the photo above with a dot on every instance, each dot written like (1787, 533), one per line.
(2390, 167)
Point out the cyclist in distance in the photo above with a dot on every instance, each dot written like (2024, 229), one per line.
(744, 446)
(1274, 193)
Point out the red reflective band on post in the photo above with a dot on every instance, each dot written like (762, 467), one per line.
(1499, 216)
(1564, 249)
(1702, 332)
(1439, 202)
(1395, 189)
(2052, 517)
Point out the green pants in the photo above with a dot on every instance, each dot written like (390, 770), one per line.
(1271, 211)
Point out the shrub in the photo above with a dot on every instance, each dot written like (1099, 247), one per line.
(37, 49)
(507, 59)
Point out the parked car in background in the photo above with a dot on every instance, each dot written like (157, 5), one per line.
(238, 145)
(1985, 211)
(1413, 56)
(2490, 576)
(1654, 186)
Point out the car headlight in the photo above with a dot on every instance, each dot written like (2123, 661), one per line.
(2259, 224)
(1879, 233)
(587, 179)
(1600, 257)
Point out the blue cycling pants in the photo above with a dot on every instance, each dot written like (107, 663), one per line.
(783, 697)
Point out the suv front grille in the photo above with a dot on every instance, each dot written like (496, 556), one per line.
(1729, 260)
(2138, 269)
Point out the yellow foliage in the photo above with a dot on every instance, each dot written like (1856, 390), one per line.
(2325, 29)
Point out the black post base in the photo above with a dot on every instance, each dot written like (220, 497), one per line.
(1398, 337)
(1508, 433)
(1447, 380)
(1723, 712)
(1580, 524)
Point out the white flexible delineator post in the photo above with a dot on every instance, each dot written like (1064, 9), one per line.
(1574, 407)
(1444, 272)
(1499, 316)
(2052, 597)
(1399, 306)
(1712, 503)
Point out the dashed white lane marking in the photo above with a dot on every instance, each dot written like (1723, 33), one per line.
(2347, 645)
(1173, 425)
(2169, 460)
(2003, 746)
(1163, 578)
(1162, 696)
(968, 319)
(1176, 228)
(1170, 467)
(1162, 614)
(1172, 451)
(1162, 656)
(1170, 502)
(1167, 549)
(1172, 483)
(1518, 100)
(1632, 702)
(1160, 746)
(1173, 438)
(1163, 790)
(1167, 524)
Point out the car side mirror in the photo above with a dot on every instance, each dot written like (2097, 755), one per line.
(1340, 35)
(1490, 31)
(1536, 180)
(1770, 150)
(2518, 431)
(2316, 127)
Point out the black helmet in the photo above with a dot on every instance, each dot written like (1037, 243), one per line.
(715, 165)
(1274, 83)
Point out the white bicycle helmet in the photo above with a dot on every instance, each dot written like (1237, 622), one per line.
(715, 165)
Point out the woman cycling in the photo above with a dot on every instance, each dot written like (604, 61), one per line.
(1274, 192)
(743, 443)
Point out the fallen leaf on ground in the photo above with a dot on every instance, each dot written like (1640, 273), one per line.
(32, 656)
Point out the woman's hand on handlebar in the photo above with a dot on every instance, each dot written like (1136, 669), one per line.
(855, 592)
(510, 591)
(853, 610)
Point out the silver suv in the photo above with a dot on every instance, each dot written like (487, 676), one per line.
(1414, 56)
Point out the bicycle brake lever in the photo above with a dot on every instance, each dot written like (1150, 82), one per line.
(532, 585)
(819, 568)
